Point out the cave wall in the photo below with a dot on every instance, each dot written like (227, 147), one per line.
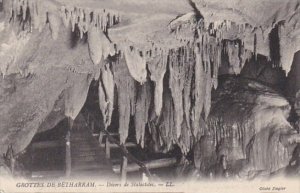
(247, 124)
(49, 69)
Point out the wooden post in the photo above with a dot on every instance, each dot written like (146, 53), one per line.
(92, 126)
(88, 119)
(31, 158)
(124, 170)
(11, 157)
(70, 124)
(101, 135)
(107, 148)
(68, 154)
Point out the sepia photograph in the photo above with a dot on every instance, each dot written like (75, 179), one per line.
(153, 96)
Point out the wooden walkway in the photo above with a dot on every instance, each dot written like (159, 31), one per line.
(87, 156)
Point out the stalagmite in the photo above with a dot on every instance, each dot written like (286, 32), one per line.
(136, 64)
(106, 94)
(157, 68)
(143, 100)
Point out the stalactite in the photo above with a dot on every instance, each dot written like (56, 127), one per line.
(40, 13)
(245, 56)
(189, 70)
(262, 41)
(168, 120)
(190, 98)
(136, 64)
(200, 87)
(73, 19)
(66, 16)
(9, 52)
(157, 67)
(235, 53)
(216, 62)
(24, 9)
(126, 95)
(76, 97)
(255, 46)
(176, 84)
(287, 49)
(95, 38)
(54, 22)
(207, 103)
(31, 13)
(99, 46)
(103, 19)
(35, 19)
(15, 9)
(206, 56)
(143, 101)
(106, 94)
(83, 24)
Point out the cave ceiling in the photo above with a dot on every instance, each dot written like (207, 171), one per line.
(40, 58)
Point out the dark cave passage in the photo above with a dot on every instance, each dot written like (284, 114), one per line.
(45, 157)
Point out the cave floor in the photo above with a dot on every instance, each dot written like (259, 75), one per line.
(87, 157)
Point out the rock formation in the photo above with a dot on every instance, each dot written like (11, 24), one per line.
(50, 51)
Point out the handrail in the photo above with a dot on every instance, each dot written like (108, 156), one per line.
(125, 152)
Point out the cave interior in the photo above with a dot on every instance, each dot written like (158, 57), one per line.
(149, 90)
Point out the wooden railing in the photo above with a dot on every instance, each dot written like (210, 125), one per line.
(112, 142)
(68, 154)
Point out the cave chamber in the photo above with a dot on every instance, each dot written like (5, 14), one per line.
(149, 90)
